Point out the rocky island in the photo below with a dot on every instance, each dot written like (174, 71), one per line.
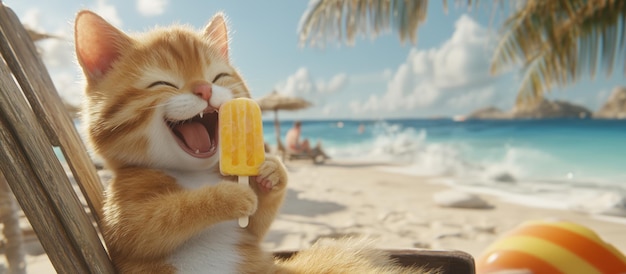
(542, 110)
(615, 106)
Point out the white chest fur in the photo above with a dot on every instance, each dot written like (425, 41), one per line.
(214, 250)
(195, 179)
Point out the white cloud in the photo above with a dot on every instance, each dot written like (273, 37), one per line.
(455, 75)
(32, 19)
(372, 77)
(151, 7)
(471, 99)
(335, 84)
(108, 12)
(329, 109)
(298, 84)
(301, 84)
(58, 56)
(321, 92)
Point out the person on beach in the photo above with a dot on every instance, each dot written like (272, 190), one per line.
(294, 144)
(293, 139)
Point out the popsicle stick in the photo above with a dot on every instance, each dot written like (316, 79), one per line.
(243, 221)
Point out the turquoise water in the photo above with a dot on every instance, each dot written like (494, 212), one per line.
(566, 164)
(580, 151)
(561, 150)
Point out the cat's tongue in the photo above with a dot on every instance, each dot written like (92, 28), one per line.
(195, 136)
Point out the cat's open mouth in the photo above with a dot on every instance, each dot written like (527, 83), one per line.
(198, 135)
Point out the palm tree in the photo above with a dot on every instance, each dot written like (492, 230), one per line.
(556, 41)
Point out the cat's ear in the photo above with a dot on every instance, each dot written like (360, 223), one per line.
(98, 44)
(217, 32)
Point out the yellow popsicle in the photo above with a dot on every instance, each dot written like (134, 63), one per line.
(241, 140)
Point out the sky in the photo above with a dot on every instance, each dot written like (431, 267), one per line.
(446, 73)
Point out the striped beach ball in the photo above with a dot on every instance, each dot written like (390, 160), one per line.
(552, 247)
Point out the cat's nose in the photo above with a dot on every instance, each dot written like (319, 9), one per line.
(203, 90)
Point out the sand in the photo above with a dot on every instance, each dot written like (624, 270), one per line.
(347, 198)
(360, 198)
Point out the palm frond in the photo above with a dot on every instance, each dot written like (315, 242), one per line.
(326, 21)
(559, 41)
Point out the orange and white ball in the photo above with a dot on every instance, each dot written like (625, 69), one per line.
(552, 247)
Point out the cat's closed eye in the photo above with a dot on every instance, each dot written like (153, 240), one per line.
(157, 83)
(223, 74)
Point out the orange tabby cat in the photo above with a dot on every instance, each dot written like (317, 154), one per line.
(151, 114)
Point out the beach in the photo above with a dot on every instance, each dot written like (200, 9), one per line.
(365, 199)
(360, 198)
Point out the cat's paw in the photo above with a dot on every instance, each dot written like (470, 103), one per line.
(272, 175)
(238, 200)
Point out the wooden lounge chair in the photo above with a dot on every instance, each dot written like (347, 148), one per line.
(33, 121)
(289, 155)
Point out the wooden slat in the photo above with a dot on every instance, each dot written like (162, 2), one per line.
(43, 218)
(31, 196)
(30, 164)
(21, 56)
(13, 238)
(42, 188)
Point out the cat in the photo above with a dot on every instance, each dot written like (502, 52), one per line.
(151, 115)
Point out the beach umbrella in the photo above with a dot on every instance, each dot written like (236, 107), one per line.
(276, 101)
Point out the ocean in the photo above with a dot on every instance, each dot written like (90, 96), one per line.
(555, 163)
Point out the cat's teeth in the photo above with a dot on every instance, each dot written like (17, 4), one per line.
(197, 151)
(201, 113)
